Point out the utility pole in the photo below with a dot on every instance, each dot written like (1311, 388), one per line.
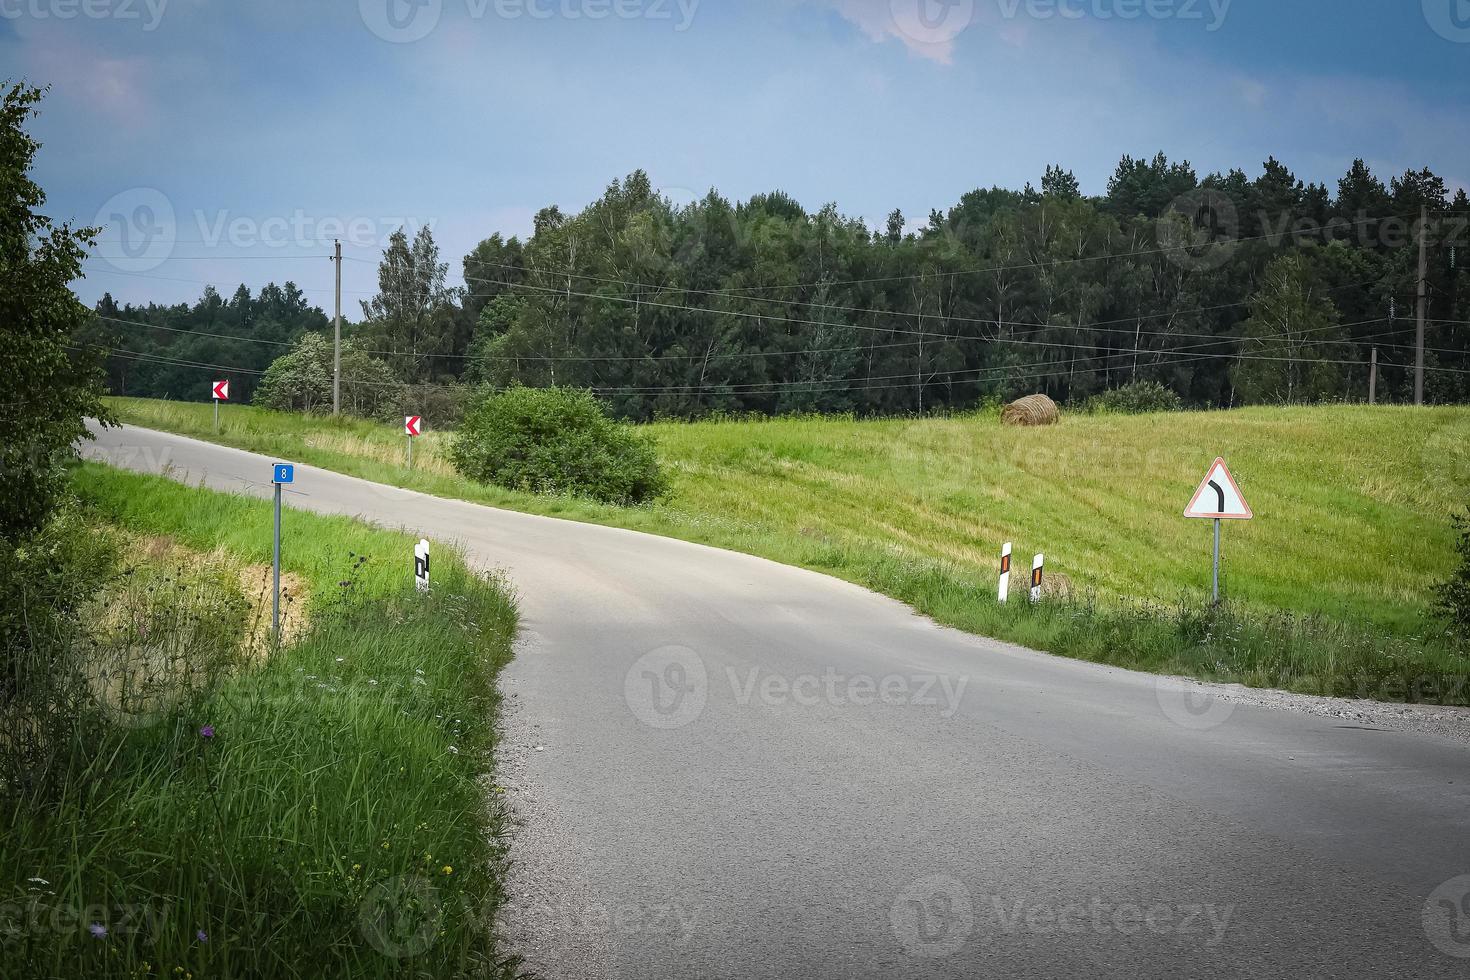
(1373, 378)
(337, 338)
(1423, 296)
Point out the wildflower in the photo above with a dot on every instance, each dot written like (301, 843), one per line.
(448, 870)
(202, 936)
(98, 930)
(207, 731)
(454, 749)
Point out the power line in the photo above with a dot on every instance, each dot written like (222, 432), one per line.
(1005, 372)
(858, 326)
(1097, 324)
(651, 357)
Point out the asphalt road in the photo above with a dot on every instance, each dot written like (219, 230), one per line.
(726, 767)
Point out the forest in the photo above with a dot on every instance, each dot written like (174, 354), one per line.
(1228, 289)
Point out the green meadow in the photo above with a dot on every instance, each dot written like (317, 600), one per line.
(1352, 526)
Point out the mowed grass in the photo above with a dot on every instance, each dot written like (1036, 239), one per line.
(1352, 503)
(1329, 589)
(339, 820)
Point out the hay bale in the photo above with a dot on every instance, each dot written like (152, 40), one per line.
(1031, 410)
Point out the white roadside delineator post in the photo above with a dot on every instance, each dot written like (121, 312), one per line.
(1005, 574)
(421, 565)
(1036, 578)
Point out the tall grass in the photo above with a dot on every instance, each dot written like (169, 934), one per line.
(325, 814)
(1230, 642)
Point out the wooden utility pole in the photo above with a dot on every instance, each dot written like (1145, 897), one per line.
(1373, 378)
(337, 338)
(1423, 297)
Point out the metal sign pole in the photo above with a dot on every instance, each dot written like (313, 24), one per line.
(216, 416)
(1217, 562)
(276, 575)
(410, 452)
(1218, 498)
(281, 474)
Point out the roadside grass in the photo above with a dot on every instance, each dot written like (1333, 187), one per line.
(337, 820)
(1351, 533)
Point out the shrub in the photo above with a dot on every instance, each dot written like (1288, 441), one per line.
(45, 582)
(442, 406)
(47, 390)
(1136, 399)
(558, 441)
(1454, 595)
(301, 381)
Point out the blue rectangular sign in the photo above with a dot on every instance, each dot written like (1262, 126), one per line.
(285, 473)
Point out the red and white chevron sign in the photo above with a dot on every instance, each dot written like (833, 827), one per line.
(412, 424)
(221, 390)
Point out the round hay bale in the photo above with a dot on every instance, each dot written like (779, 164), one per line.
(1031, 410)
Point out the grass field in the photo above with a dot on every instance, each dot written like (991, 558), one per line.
(335, 820)
(1352, 503)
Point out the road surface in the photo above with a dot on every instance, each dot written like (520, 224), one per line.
(725, 767)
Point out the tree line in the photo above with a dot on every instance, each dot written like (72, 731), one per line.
(1227, 289)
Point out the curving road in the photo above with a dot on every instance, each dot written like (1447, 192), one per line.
(726, 767)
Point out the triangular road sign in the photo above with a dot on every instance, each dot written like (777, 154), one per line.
(1218, 497)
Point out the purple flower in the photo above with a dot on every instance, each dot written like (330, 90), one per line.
(207, 731)
(98, 929)
(202, 936)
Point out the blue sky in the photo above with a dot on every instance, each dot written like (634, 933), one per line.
(238, 138)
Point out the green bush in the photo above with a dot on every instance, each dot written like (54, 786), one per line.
(556, 441)
(301, 381)
(46, 580)
(1136, 399)
(1454, 595)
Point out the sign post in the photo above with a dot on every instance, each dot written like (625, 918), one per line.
(412, 426)
(221, 392)
(421, 565)
(281, 474)
(1218, 499)
(1036, 577)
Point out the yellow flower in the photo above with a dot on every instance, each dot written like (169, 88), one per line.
(448, 870)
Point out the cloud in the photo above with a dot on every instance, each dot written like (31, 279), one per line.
(928, 28)
(113, 91)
